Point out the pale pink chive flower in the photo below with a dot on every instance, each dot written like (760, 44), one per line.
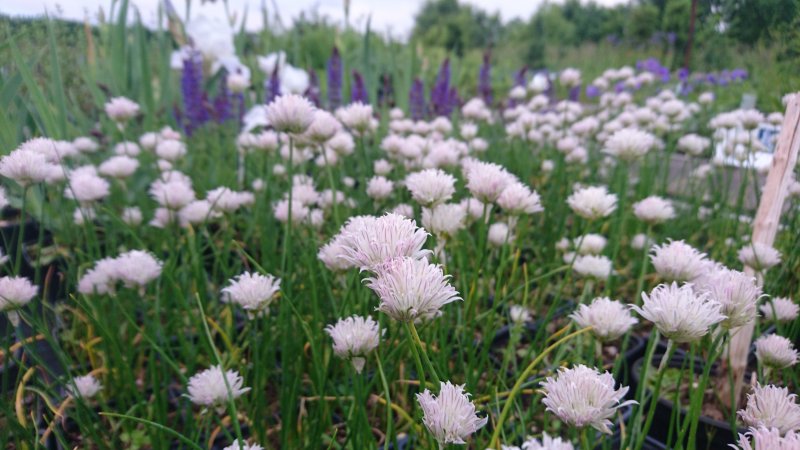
(583, 397)
(430, 186)
(137, 268)
(769, 439)
(499, 234)
(253, 292)
(444, 220)
(371, 241)
(118, 167)
(281, 211)
(323, 127)
(86, 187)
(332, 255)
(173, 194)
(243, 446)
(379, 188)
(679, 313)
(547, 443)
(775, 351)
(450, 416)
(590, 244)
(132, 216)
(519, 314)
(518, 199)
(404, 209)
(629, 144)
(608, 318)
(170, 150)
(85, 144)
(693, 144)
(653, 210)
(412, 289)
(100, 279)
(127, 148)
(736, 292)
(83, 214)
(678, 261)
(354, 338)
(772, 407)
(197, 212)
(291, 114)
(226, 200)
(26, 167)
(593, 266)
(476, 209)
(592, 202)
(85, 386)
(209, 388)
(121, 109)
(780, 309)
(356, 116)
(486, 181)
(15, 292)
(759, 256)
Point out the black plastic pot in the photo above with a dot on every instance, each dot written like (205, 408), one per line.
(712, 434)
(614, 442)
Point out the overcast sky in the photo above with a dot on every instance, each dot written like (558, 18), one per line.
(395, 16)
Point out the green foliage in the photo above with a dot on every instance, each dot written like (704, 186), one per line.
(455, 26)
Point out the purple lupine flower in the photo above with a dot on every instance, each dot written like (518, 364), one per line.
(485, 79)
(194, 106)
(671, 37)
(683, 74)
(416, 100)
(739, 74)
(453, 100)
(272, 86)
(312, 92)
(711, 78)
(177, 114)
(238, 99)
(335, 76)
(592, 91)
(358, 91)
(222, 102)
(550, 92)
(441, 89)
(619, 87)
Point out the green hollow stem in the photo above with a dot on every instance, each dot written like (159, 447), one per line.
(656, 393)
(509, 403)
(424, 353)
(417, 360)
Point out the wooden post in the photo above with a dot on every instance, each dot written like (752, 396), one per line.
(765, 227)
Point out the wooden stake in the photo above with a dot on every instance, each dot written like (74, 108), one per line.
(765, 227)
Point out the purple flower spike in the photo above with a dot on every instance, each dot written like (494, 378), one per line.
(485, 79)
(312, 92)
(358, 92)
(335, 76)
(440, 92)
(416, 100)
(273, 86)
(222, 102)
(192, 89)
(592, 91)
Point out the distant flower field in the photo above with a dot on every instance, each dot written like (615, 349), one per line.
(229, 251)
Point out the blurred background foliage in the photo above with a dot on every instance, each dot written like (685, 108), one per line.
(71, 68)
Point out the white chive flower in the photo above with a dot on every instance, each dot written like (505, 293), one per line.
(582, 396)
(15, 292)
(26, 167)
(371, 241)
(772, 407)
(354, 338)
(379, 188)
(291, 114)
(412, 289)
(679, 313)
(444, 220)
(253, 292)
(450, 416)
(678, 261)
(209, 388)
(608, 318)
(547, 443)
(121, 109)
(759, 256)
(769, 439)
(736, 292)
(780, 309)
(593, 266)
(517, 199)
(592, 202)
(430, 186)
(629, 144)
(653, 210)
(137, 268)
(486, 181)
(775, 351)
(243, 446)
(85, 386)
